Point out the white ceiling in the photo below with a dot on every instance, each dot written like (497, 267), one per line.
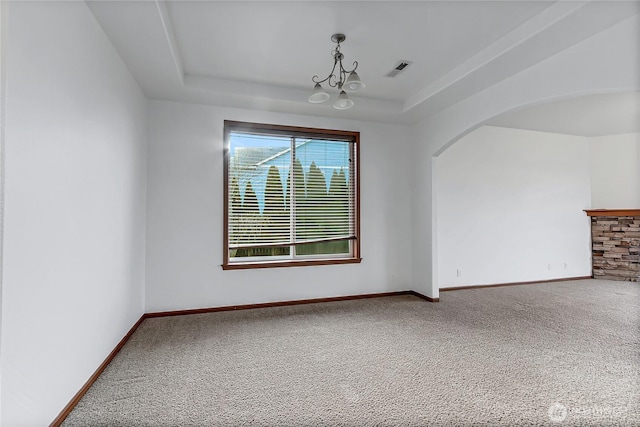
(592, 115)
(284, 44)
(262, 54)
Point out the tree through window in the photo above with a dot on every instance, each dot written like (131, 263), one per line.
(291, 196)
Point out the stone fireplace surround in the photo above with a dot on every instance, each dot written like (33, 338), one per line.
(615, 237)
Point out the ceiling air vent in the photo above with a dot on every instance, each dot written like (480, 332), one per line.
(400, 66)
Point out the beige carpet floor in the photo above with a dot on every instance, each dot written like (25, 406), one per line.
(565, 353)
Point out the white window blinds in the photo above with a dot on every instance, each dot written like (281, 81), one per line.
(290, 195)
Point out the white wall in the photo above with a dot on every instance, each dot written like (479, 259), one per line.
(615, 171)
(73, 280)
(510, 205)
(185, 214)
(606, 62)
(3, 99)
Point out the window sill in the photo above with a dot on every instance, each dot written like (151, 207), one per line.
(302, 263)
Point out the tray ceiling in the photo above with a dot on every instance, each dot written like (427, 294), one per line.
(263, 54)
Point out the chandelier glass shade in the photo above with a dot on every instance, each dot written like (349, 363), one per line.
(319, 95)
(343, 79)
(343, 102)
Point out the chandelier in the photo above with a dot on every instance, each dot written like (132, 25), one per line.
(337, 78)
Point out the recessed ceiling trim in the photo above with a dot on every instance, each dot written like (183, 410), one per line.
(169, 33)
(257, 90)
(548, 17)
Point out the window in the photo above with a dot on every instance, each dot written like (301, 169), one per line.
(291, 196)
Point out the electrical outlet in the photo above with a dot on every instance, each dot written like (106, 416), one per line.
(548, 266)
(566, 265)
(459, 272)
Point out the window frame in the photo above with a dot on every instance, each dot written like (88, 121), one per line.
(293, 131)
